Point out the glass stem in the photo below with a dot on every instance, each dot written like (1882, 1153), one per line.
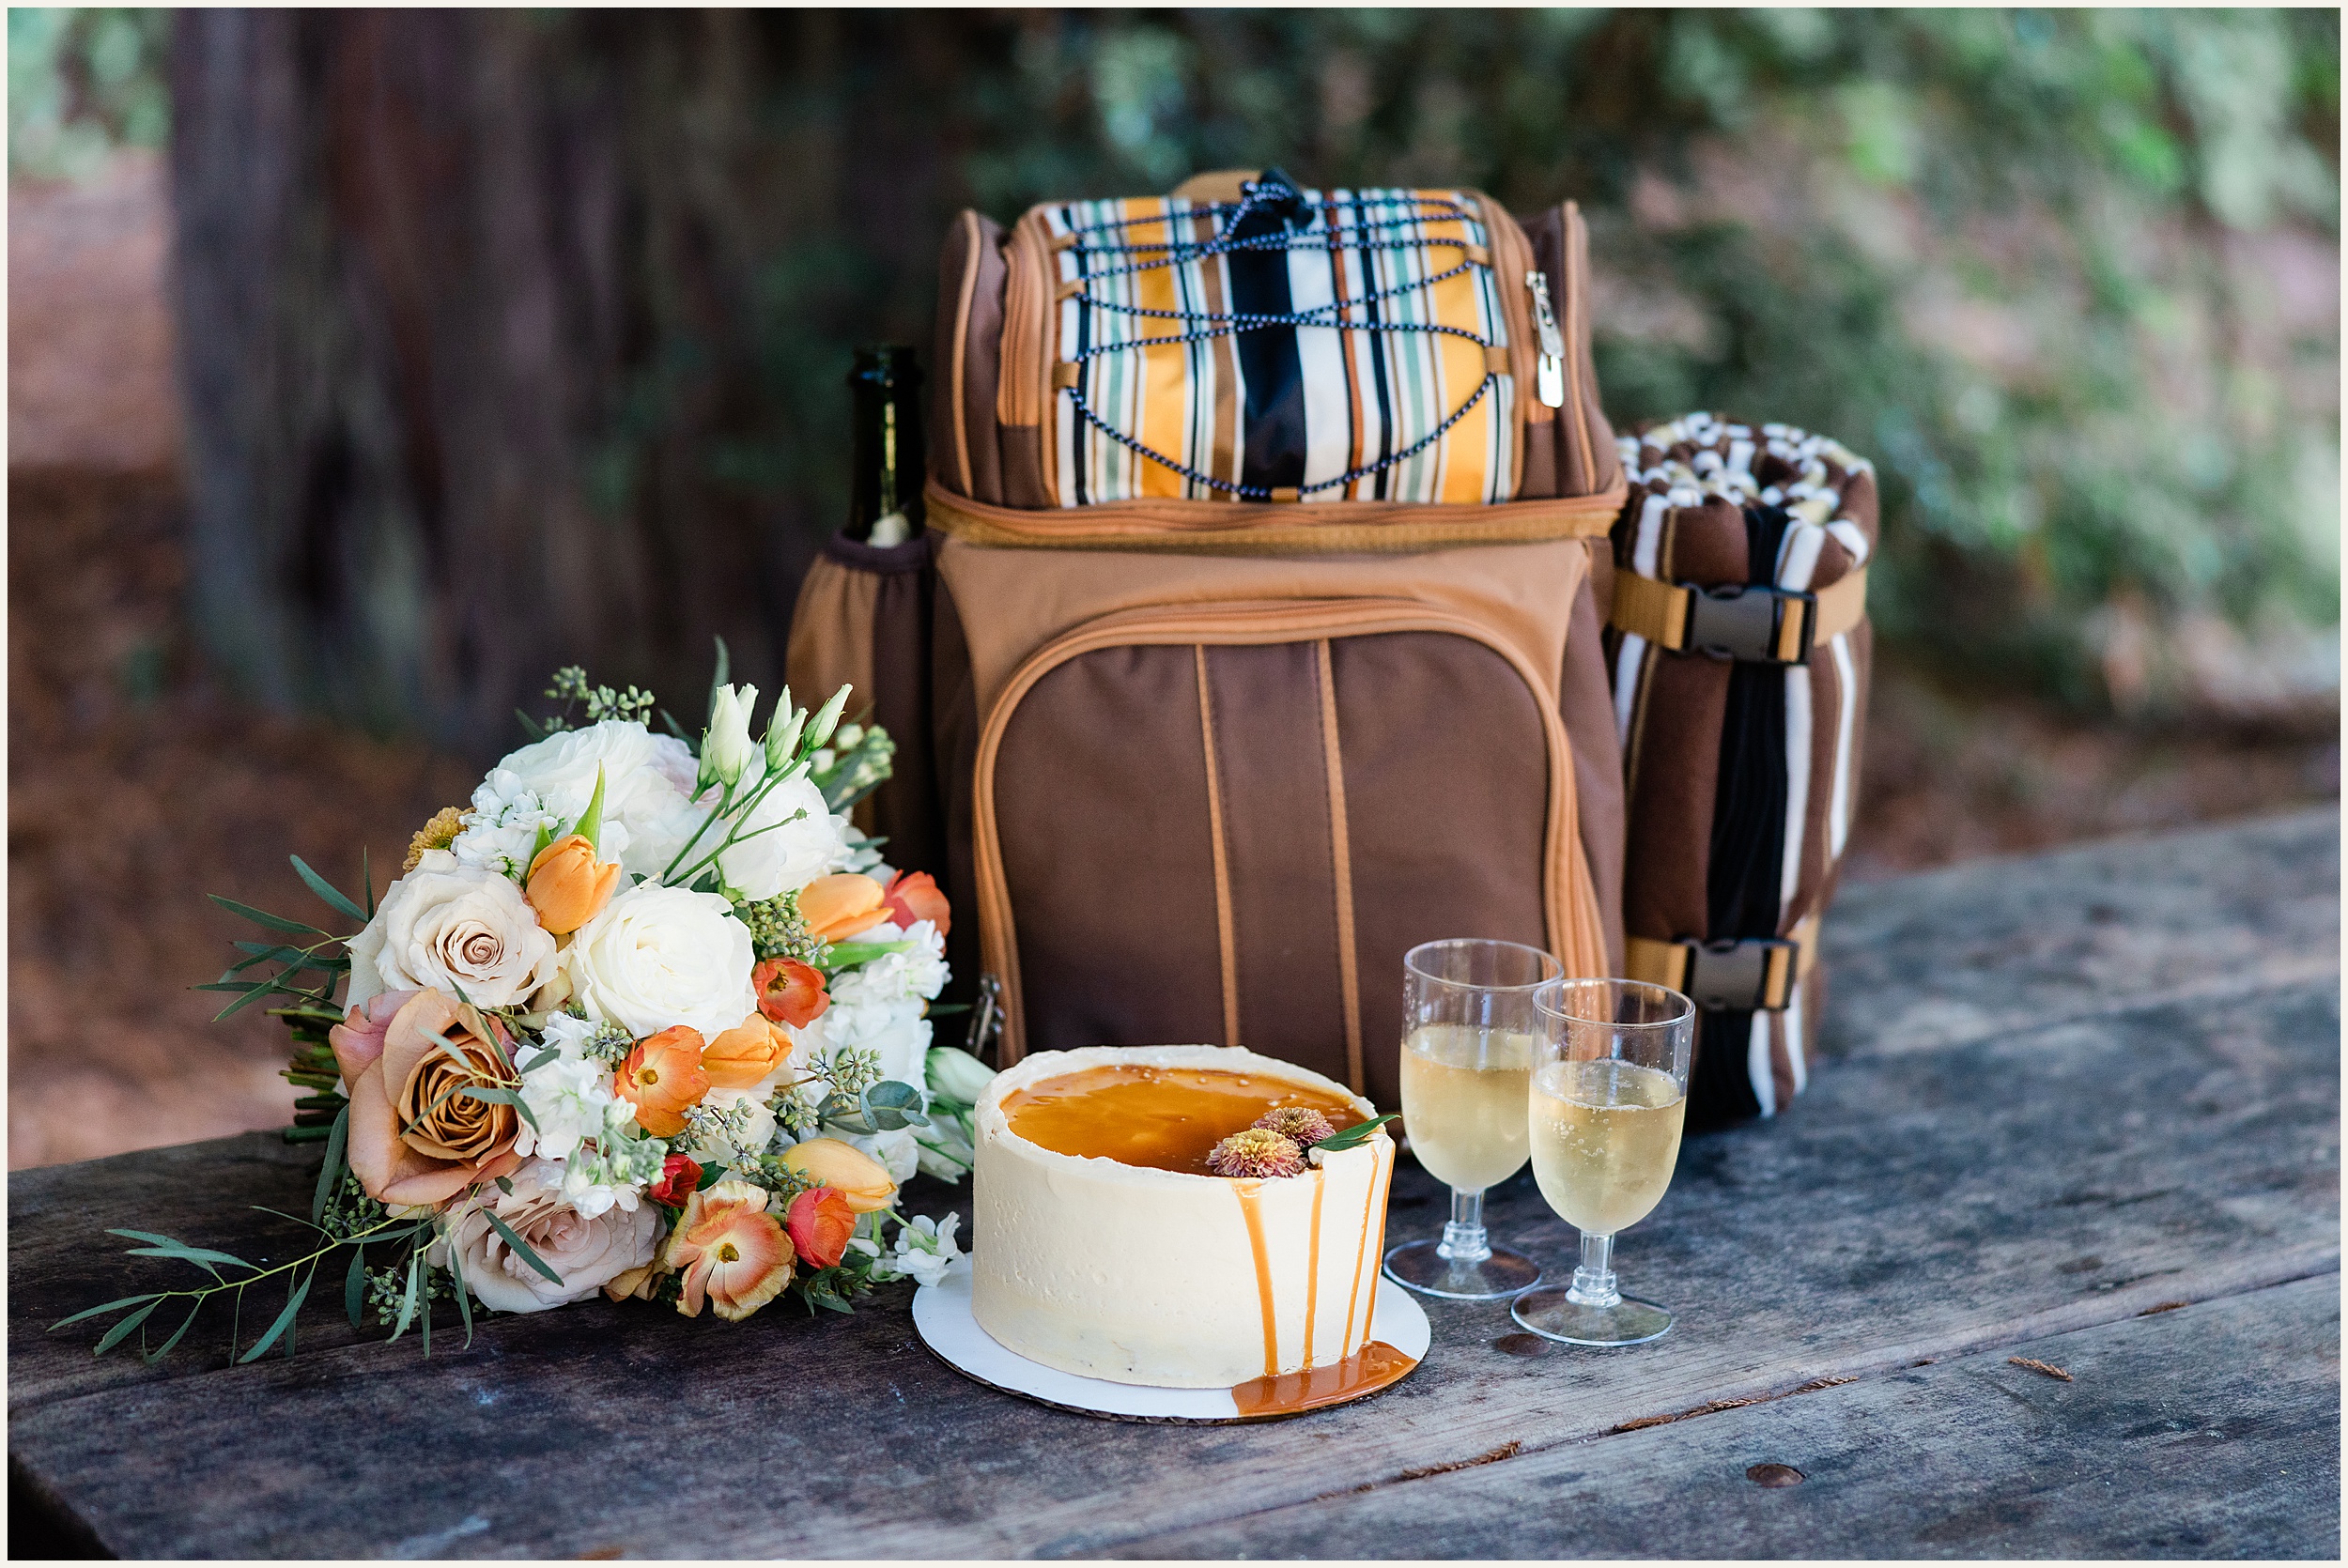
(1594, 1279)
(1463, 1234)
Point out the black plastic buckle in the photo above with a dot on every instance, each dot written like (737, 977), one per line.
(1755, 622)
(1729, 976)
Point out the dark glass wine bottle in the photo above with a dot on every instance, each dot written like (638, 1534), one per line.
(884, 503)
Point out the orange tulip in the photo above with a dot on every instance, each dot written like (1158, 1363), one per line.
(728, 1251)
(913, 895)
(661, 1078)
(790, 992)
(855, 1174)
(567, 885)
(744, 1054)
(837, 907)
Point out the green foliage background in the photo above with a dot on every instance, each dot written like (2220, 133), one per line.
(2037, 264)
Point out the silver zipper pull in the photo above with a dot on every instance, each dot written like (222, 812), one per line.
(1552, 379)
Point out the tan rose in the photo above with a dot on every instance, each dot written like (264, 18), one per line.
(413, 1138)
(567, 885)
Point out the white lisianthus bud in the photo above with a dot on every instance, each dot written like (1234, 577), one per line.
(828, 718)
(955, 1074)
(726, 749)
(782, 740)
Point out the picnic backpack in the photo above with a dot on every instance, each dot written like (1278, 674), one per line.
(1255, 634)
(1740, 652)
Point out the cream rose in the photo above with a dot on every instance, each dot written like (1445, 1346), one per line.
(454, 929)
(660, 956)
(587, 1252)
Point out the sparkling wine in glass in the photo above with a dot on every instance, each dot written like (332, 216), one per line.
(1607, 1098)
(1470, 1040)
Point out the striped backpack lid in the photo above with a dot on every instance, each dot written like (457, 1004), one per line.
(1178, 371)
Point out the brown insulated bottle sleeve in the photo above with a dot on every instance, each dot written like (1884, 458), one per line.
(864, 617)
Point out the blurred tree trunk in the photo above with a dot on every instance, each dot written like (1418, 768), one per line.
(511, 341)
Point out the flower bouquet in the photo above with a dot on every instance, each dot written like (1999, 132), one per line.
(649, 1018)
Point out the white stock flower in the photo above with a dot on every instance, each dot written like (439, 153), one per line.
(454, 929)
(897, 1150)
(587, 1250)
(894, 1030)
(618, 1169)
(925, 1250)
(727, 750)
(569, 1098)
(658, 956)
(549, 782)
(895, 976)
(778, 854)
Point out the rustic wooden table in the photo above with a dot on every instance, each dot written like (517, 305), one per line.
(2082, 1109)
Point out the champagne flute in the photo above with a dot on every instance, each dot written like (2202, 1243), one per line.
(1605, 1106)
(1469, 1038)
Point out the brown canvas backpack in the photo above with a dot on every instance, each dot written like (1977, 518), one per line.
(1255, 634)
(1739, 650)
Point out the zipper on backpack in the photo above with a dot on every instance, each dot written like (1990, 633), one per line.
(1550, 381)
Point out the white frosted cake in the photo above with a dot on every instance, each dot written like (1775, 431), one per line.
(1103, 1245)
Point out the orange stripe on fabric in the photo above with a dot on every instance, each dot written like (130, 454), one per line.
(1166, 369)
(1454, 303)
(1225, 933)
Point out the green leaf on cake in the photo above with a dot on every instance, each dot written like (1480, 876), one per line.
(1357, 1134)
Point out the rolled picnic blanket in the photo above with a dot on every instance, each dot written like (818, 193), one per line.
(1739, 649)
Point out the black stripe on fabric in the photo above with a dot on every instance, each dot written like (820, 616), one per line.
(1273, 372)
(1084, 370)
(1747, 844)
(1375, 344)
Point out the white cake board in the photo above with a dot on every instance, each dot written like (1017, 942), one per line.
(941, 1314)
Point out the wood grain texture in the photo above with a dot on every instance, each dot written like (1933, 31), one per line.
(2209, 1431)
(1990, 1192)
(1990, 945)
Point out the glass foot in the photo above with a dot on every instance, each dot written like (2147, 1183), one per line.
(1553, 1314)
(1420, 1266)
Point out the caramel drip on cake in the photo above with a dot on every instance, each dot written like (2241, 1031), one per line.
(1372, 1236)
(1312, 1264)
(1372, 1368)
(1246, 1192)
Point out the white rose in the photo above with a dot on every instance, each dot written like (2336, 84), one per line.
(587, 1252)
(775, 854)
(456, 929)
(658, 956)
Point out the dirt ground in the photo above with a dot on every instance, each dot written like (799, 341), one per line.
(137, 786)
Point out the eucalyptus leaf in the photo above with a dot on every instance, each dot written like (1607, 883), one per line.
(330, 1173)
(332, 896)
(521, 1248)
(151, 1356)
(123, 1329)
(264, 918)
(1357, 1134)
(105, 1307)
(284, 1320)
(355, 1288)
(529, 726)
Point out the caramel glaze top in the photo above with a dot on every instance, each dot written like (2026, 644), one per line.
(1164, 1118)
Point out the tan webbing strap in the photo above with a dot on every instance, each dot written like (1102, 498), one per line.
(1755, 973)
(1778, 628)
(1656, 611)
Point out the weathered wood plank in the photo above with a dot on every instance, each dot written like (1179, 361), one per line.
(2013, 943)
(1916, 1205)
(1955, 1190)
(2209, 1431)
